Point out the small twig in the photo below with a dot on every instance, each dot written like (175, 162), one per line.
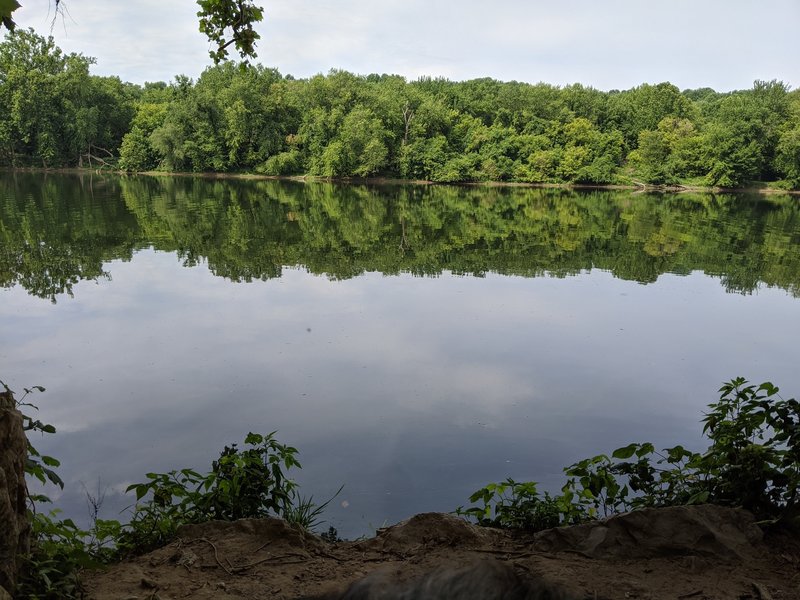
(237, 570)
(514, 553)
(690, 594)
(331, 556)
(262, 546)
(216, 555)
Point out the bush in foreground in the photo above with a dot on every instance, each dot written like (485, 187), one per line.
(242, 483)
(753, 462)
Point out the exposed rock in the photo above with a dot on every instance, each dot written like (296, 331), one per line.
(704, 530)
(15, 530)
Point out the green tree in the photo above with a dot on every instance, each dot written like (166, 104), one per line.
(743, 133)
(644, 106)
(589, 155)
(787, 160)
(137, 152)
(734, 140)
(56, 112)
(672, 151)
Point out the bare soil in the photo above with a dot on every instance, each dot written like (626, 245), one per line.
(696, 553)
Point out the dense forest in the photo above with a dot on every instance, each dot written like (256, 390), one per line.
(58, 230)
(251, 119)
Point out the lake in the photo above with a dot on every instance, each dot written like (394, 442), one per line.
(413, 342)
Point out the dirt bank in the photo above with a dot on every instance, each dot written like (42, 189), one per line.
(696, 553)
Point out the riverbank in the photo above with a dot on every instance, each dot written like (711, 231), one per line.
(699, 552)
(760, 188)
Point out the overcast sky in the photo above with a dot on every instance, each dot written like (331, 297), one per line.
(613, 44)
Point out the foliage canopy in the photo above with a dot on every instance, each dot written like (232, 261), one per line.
(245, 118)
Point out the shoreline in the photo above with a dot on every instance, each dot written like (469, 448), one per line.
(378, 181)
(701, 551)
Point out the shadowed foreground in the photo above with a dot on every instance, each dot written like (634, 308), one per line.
(701, 552)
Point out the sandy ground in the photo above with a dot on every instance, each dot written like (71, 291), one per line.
(691, 553)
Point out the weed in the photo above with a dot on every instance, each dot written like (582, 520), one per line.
(331, 536)
(516, 505)
(306, 513)
(753, 462)
(248, 483)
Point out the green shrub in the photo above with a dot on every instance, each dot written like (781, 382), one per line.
(248, 483)
(242, 484)
(517, 505)
(753, 462)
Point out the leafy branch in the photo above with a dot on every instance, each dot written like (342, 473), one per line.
(218, 17)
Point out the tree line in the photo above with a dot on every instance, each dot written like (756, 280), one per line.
(58, 230)
(239, 118)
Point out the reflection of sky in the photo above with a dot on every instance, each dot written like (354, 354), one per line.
(413, 392)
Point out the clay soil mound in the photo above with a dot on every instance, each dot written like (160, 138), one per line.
(695, 553)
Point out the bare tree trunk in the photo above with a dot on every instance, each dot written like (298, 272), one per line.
(408, 116)
(90, 156)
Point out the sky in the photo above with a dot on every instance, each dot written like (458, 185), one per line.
(614, 44)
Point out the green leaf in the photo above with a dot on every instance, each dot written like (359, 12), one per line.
(141, 491)
(50, 461)
(54, 478)
(625, 452)
(770, 389)
(645, 449)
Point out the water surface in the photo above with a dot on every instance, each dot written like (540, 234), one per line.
(414, 343)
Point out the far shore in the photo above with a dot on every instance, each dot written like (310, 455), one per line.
(637, 186)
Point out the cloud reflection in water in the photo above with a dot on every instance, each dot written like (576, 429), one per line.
(411, 391)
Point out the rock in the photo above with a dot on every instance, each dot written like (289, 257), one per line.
(15, 532)
(703, 530)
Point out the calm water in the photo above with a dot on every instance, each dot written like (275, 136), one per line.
(414, 343)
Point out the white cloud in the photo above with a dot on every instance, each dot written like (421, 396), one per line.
(614, 44)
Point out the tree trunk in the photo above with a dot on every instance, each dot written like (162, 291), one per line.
(14, 524)
(408, 116)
